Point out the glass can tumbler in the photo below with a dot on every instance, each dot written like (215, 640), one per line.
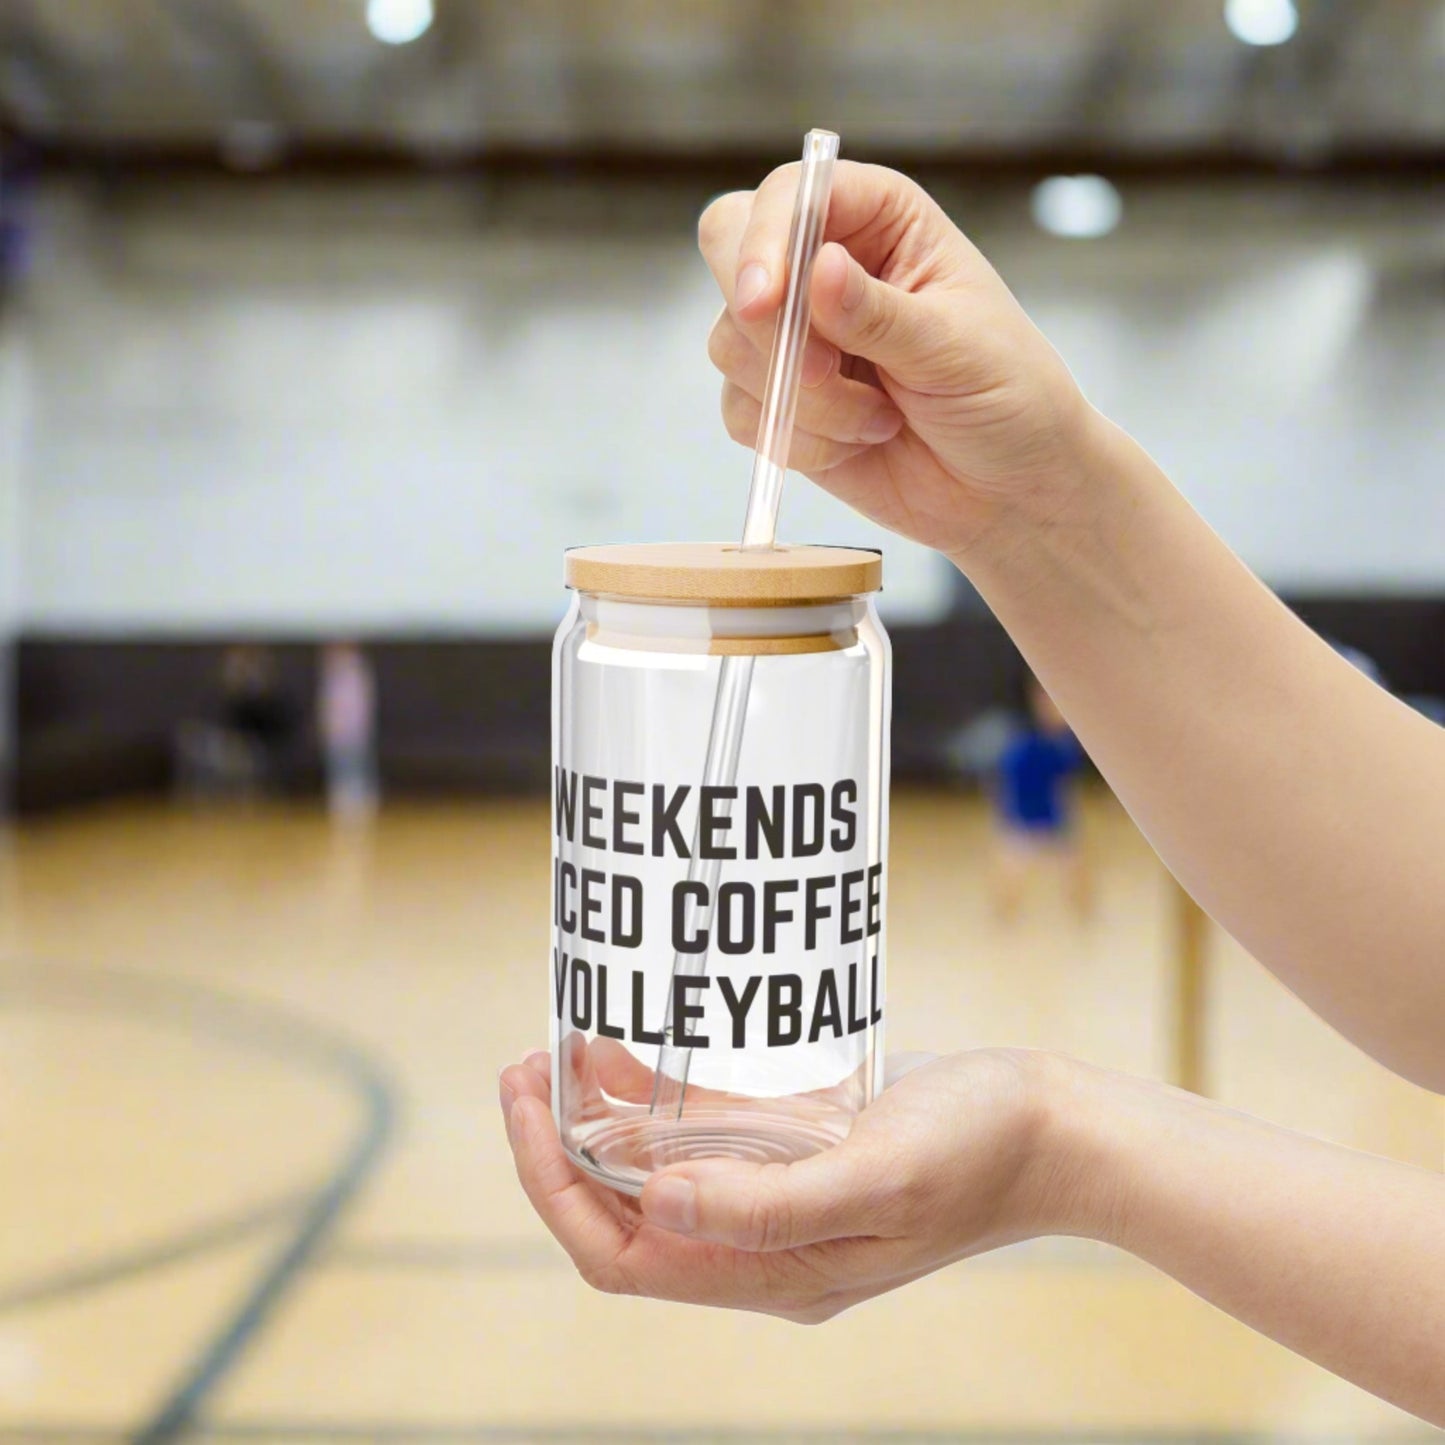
(720, 737)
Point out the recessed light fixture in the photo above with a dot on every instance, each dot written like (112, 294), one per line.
(1080, 207)
(398, 22)
(1261, 22)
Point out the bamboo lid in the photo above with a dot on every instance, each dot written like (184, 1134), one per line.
(721, 574)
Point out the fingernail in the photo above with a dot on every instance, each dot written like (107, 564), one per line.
(752, 282)
(507, 1094)
(853, 287)
(672, 1204)
(882, 426)
(819, 359)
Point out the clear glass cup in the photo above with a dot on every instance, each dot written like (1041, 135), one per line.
(717, 965)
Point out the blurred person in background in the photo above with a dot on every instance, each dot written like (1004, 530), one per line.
(1036, 823)
(254, 709)
(1297, 801)
(346, 714)
(242, 752)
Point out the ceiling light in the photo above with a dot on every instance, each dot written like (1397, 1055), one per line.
(397, 22)
(1076, 206)
(1261, 22)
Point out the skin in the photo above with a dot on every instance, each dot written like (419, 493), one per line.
(1297, 801)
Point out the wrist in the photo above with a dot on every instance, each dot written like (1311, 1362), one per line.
(1066, 504)
(1090, 1138)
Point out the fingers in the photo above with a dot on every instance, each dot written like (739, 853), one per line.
(886, 240)
(619, 1073)
(591, 1233)
(807, 453)
(831, 406)
(880, 215)
(762, 262)
(618, 1253)
(763, 1208)
(741, 353)
(532, 1077)
(743, 237)
(896, 330)
(719, 231)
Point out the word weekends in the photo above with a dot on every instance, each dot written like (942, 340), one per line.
(821, 926)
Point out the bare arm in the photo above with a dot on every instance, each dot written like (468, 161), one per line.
(1301, 804)
(1336, 1254)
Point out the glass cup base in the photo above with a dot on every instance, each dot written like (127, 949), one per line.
(622, 1152)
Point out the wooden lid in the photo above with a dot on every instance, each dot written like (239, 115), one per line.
(721, 574)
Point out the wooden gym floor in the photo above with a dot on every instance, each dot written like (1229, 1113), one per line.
(253, 1184)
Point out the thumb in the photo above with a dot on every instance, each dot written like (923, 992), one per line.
(866, 317)
(763, 1207)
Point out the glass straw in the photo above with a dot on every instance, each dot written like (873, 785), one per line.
(760, 527)
(785, 370)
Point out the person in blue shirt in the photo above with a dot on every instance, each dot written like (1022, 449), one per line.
(1034, 806)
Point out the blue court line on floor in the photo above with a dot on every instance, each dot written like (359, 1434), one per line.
(177, 1248)
(261, 1028)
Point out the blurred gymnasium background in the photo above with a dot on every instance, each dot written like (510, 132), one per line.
(325, 326)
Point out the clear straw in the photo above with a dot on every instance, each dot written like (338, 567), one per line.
(785, 370)
(760, 527)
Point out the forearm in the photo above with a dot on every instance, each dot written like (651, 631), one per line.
(1338, 1255)
(1295, 799)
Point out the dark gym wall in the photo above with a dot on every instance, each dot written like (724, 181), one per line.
(98, 717)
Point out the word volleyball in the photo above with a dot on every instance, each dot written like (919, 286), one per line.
(835, 911)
